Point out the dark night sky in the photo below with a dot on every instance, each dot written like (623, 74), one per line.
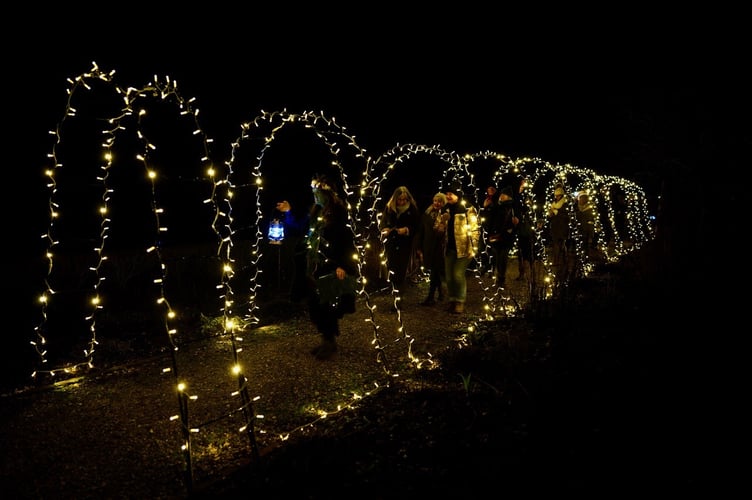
(565, 114)
(568, 96)
(657, 98)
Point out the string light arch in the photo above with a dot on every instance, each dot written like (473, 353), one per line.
(124, 129)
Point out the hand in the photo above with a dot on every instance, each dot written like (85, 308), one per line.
(340, 273)
(283, 206)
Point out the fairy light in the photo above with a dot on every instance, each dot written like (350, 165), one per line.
(239, 306)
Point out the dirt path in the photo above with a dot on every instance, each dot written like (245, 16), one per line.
(114, 433)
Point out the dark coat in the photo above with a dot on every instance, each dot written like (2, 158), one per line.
(503, 230)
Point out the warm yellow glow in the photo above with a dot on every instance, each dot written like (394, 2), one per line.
(536, 173)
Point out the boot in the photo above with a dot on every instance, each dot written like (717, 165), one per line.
(523, 272)
(459, 308)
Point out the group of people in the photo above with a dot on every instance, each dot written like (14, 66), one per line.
(560, 228)
(507, 223)
(444, 238)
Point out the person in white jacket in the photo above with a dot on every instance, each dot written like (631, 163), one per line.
(460, 245)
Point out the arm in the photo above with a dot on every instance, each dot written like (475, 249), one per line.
(297, 227)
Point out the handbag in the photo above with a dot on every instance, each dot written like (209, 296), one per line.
(337, 294)
(497, 237)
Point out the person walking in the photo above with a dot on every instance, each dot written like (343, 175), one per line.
(503, 233)
(327, 252)
(525, 234)
(398, 226)
(460, 245)
(585, 215)
(430, 250)
(486, 250)
(558, 219)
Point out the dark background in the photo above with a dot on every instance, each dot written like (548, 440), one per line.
(653, 98)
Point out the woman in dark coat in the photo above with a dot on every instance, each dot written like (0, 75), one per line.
(430, 247)
(327, 250)
(503, 232)
(398, 225)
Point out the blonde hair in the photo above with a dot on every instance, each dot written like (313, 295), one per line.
(391, 205)
(440, 196)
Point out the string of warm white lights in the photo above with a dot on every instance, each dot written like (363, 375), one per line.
(622, 227)
(164, 91)
(372, 201)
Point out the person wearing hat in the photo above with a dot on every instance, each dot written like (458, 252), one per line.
(558, 220)
(460, 244)
(327, 275)
(503, 232)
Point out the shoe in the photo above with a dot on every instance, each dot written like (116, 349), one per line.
(459, 308)
(326, 350)
(428, 302)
